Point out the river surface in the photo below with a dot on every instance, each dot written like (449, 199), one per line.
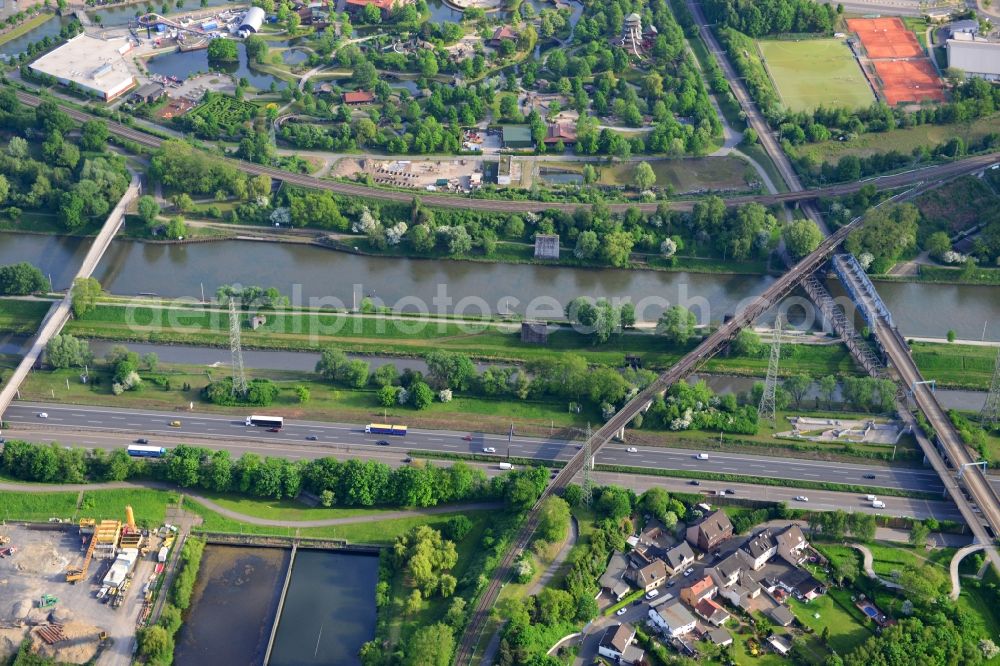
(233, 606)
(19, 45)
(329, 610)
(313, 275)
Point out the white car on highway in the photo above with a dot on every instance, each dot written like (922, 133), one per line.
(632, 449)
(489, 449)
(801, 498)
(43, 415)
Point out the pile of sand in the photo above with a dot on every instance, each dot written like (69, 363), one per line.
(10, 642)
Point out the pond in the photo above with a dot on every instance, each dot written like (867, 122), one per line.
(561, 177)
(329, 609)
(233, 606)
(185, 64)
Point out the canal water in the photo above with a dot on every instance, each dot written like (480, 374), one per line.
(115, 16)
(329, 610)
(233, 606)
(19, 45)
(310, 272)
(184, 64)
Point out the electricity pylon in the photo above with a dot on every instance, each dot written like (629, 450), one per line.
(990, 416)
(766, 409)
(236, 353)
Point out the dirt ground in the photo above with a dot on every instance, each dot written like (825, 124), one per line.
(418, 174)
(38, 567)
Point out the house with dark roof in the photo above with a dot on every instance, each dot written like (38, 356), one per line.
(791, 545)
(650, 576)
(759, 549)
(613, 579)
(802, 584)
(710, 531)
(720, 637)
(781, 615)
(616, 644)
(679, 558)
(711, 612)
(727, 571)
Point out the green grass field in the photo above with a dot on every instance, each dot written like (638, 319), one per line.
(816, 72)
(38, 506)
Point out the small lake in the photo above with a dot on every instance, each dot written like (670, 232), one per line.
(561, 177)
(233, 606)
(329, 610)
(185, 64)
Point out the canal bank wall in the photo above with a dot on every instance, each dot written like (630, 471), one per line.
(277, 541)
(281, 605)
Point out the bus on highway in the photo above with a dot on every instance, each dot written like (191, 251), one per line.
(383, 429)
(140, 451)
(266, 421)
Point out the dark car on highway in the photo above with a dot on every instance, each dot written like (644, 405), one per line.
(142, 440)
(312, 438)
(383, 442)
(694, 482)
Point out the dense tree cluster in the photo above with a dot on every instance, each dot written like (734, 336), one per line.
(763, 17)
(888, 232)
(180, 166)
(694, 406)
(21, 279)
(260, 393)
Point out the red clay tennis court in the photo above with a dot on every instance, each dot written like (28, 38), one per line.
(886, 38)
(909, 80)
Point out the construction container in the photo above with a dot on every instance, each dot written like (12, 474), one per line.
(162, 555)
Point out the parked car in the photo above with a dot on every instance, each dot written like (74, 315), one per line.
(632, 449)
(688, 572)
(801, 498)
(652, 594)
(489, 449)
(622, 610)
(671, 583)
(311, 438)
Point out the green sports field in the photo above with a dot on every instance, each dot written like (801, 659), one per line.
(815, 72)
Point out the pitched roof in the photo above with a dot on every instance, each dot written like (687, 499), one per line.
(781, 615)
(565, 132)
(504, 32)
(679, 555)
(711, 611)
(384, 5)
(720, 636)
(700, 587)
(730, 566)
(758, 546)
(715, 524)
(675, 615)
(617, 566)
(791, 538)
(653, 571)
(618, 637)
(358, 97)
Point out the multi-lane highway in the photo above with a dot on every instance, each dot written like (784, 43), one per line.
(107, 427)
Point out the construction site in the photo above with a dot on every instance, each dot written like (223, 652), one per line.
(79, 593)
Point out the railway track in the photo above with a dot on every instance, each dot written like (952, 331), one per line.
(937, 172)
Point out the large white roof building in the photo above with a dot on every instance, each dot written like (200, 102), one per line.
(975, 57)
(96, 65)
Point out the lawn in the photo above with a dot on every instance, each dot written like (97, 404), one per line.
(285, 509)
(966, 366)
(37, 506)
(26, 26)
(22, 317)
(149, 506)
(846, 633)
(814, 72)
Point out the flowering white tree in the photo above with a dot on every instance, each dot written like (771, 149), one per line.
(866, 259)
(668, 248)
(281, 216)
(444, 395)
(394, 234)
(366, 223)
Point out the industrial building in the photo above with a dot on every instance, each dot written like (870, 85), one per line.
(975, 57)
(98, 66)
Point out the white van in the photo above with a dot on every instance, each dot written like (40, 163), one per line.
(505, 465)
(870, 498)
(878, 504)
(702, 456)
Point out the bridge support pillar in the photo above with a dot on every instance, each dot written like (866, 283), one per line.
(620, 435)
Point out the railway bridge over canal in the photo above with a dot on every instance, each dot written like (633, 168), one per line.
(59, 313)
(964, 481)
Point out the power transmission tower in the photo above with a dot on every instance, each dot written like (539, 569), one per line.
(236, 353)
(588, 483)
(765, 411)
(990, 416)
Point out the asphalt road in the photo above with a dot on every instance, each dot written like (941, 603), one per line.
(108, 427)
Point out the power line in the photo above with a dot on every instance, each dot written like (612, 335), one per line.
(990, 416)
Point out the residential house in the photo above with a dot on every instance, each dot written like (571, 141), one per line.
(613, 579)
(742, 591)
(792, 545)
(616, 644)
(727, 571)
(502, 34)
(781, 615)
(759, 549)
(701, 589)
(673, 619)
(678, 558)
(650, 576)
(149, 92)
(720, 637)
(801, 583)
(711, 612)
(710, 531)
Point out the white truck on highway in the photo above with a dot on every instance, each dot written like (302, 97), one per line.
(878, 504)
